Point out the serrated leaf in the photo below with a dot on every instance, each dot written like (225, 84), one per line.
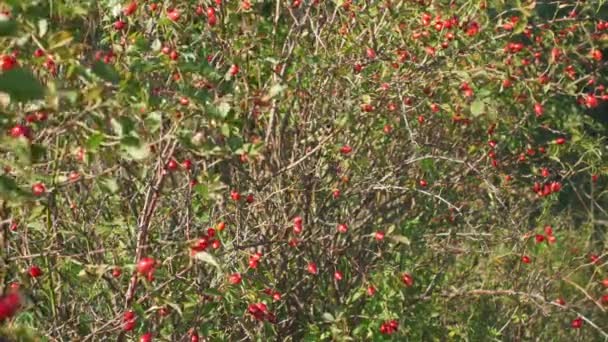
(21, 85)
(477, 108)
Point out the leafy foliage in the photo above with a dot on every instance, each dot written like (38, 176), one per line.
(304, 170)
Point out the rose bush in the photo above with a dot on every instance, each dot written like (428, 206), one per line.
(304, 170)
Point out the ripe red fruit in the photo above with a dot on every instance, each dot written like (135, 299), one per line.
(147, 337)
(128, 325)
(539, 238)
(145, 265)
(187, 164)
(7, 62)
(129, 315)
(249, 198)
(216, 244)
(560, 301)
(597, 55)
(194, 336)
(346, 149)
(342, 228)
(9, 305)
(297, 225)
(173, 14)
(234, 70)
(556, 186)
(371, 290)
(34, 271)
(338, 275)
(370, 53)
(130, 8)
(525, 259)
(577, 323)
(379, 236)
(336, 193)
(538, 109)
(423, 183)
(552, 239)
(235, 195)
(116, 272)
(172, 165)
(604, 299)
(235, 278)
(119, 25)
(20, 131)
(407, 279)
(312, 268)
(544, 172)
(560, 141)
(605, 282)
(174, 55)
(38, 189)
(594, 258)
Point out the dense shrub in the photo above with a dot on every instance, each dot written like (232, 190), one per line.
(304, 170)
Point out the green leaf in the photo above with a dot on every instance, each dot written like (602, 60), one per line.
(208, 258)
(94, 141)
(106, 72)
(400, 239)
(477, 108)
(328, 317)
(276, 90)
(7, 27)
(134, 149)
(60, 39)
(43, 27)
(21, 85)
(109, 184)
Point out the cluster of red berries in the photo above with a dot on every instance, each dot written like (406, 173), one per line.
(389, 327)
(205, 241)
(129, 320)
(547, 188)
(254, 260)
(260, 312)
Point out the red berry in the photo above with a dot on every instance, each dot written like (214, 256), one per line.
(129, 315)
(145, 265)
(407, 279)
(147, 337)
(342, 228)
(338, 275)
(525, 259)
(234, 70)
(174, 15)
(116, 272)
(379, 236)
(560, 141)
(371, 54)
(235, 278)
(371, 290)
(539, 238)
(20, 131)
(130, 8)
(423, 183)
(312, 268)
(119, 25)
(34, 271)
(38, 189)
(548, 230)
(577, 323)
(346, 149)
